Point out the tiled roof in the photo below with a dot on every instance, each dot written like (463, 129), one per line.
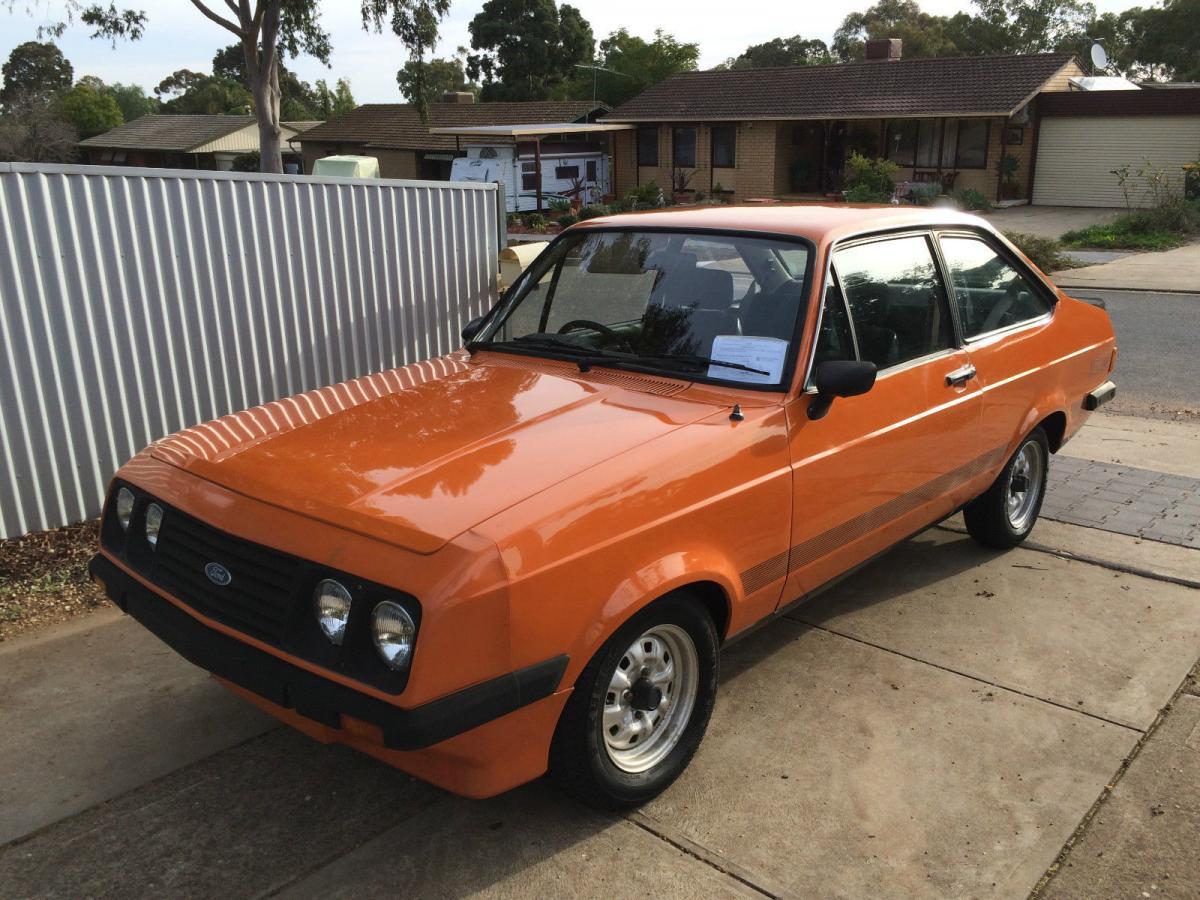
(397, 125)
(982, 85)
(161, 132)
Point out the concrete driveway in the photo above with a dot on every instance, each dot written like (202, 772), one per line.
(938, 725)
(1049, 221)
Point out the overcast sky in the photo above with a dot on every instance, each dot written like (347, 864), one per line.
(179, 37)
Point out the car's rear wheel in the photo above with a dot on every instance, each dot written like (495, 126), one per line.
(639, 708)
(1006, 512)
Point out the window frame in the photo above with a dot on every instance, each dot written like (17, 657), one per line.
(787, 377)
(956, 342)
(638, 147)
(1002, 249)
(732, 130)
(675, 130)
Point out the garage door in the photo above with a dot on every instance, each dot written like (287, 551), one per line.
(1076, 155)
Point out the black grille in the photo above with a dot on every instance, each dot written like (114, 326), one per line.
(258, 598)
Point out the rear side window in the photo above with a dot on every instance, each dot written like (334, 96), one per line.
(897, 301)
(989, 291)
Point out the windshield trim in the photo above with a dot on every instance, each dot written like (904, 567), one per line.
(788, 375)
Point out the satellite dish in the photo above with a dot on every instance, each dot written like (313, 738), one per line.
(1099, 57)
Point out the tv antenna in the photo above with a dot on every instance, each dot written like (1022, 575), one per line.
(595, 69)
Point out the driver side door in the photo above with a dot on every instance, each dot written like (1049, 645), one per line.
(881, 466)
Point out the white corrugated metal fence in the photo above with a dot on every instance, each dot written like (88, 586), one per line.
(139, 301)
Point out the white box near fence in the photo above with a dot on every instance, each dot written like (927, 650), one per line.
(134, 302)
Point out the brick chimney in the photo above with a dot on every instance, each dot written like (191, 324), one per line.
(458, 97)
(884, 48)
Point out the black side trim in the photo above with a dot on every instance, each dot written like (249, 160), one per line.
(318, 698)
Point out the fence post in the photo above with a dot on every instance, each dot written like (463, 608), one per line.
(501, 219)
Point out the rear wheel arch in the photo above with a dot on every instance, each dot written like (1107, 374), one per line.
(1055, 427)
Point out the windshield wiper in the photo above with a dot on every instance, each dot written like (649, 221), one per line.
(698, 360)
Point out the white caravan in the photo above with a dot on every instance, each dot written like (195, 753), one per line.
(568, 170)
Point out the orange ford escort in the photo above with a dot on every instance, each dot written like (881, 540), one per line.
(525, 556)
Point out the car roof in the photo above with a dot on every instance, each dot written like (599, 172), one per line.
(819, 223)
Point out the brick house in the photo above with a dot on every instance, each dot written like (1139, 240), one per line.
(787, 131)
(394, 134)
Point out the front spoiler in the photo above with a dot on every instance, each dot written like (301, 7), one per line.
(317, 698)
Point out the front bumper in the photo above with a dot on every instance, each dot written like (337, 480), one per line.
(319, 699)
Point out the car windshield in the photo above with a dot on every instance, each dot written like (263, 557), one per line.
(711, 307)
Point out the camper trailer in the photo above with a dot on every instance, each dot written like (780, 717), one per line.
(575, 171)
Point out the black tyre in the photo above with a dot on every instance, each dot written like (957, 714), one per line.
(1005, 513)
(639, 708)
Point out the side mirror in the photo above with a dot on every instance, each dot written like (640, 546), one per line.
(473, 328)
(839, 378)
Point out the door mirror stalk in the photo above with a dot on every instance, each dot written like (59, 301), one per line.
(839, 378)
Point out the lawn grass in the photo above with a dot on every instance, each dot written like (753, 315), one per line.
(1115, 237)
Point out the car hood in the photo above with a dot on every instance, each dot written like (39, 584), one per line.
(418, 455)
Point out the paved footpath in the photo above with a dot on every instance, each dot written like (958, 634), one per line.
(949, 722)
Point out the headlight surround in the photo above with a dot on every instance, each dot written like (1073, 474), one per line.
(331, 603)
(393, 631)
(124, 504)
(154, 517)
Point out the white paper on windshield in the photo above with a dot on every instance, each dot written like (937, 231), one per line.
(767, 354)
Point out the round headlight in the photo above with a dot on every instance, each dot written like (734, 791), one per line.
(154, 516)
(393, 630)
(124, 507)
(331, 601)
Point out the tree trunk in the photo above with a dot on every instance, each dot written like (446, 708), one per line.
(262, 70)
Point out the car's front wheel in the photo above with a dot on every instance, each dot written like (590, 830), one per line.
(1005, 513)
(639, 708)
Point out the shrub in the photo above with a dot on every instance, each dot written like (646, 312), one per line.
(534, 221)
(925, 193)
(644, 196)
(560, 204)
(246, 162)
(513, 220)
(969, 198)
(591, 211)
(1045, 253)
(1158, 228)
(870, 174)
(862, 193)
(567, 220)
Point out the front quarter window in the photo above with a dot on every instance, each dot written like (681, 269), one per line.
(709, 307)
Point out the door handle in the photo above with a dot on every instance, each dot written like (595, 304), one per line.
(959, 377)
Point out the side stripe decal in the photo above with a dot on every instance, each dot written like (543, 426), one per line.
(811, 550)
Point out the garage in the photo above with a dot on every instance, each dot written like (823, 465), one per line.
(1084, 136)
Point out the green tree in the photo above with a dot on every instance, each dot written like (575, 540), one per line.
(924, 35)
(212, 97)
(331, 102)
(1167, 45)
(267, 29)
(297, 99)
(527, 49)
(132, 100)
(439, 76)
(793, 51)
(179, 83)
(91, 111)
(36, 72)
(1036, 26)
(640, 63)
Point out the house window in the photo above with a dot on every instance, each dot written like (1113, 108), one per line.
(724, 145)
(528, 176)
(591, 170)
(972, 143)
(566, 172)
(647, 145)
(683, 147)
(902, 141)
(928, 143)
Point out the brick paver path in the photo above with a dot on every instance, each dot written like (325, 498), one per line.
(1139, 502)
